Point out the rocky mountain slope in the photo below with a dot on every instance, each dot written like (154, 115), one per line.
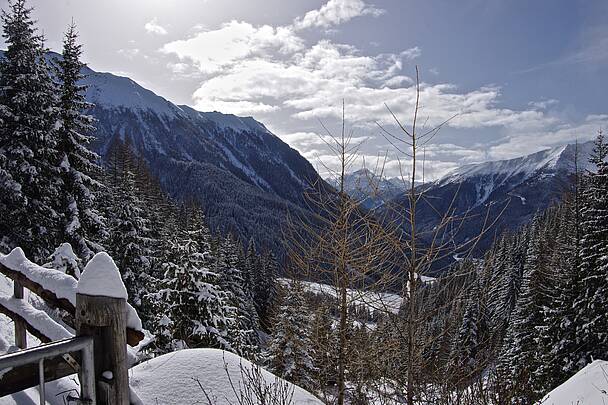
(245, 177)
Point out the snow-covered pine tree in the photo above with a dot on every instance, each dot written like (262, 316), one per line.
(156, 209)
(248, 266)
(196, 312)
(557, 339)
(519, 357)
(128, 241)
(591, 321)
(243, 330)
(503, 272)
(81, 224)
(463, 352)
(290, 353)
(28, 156)
(264, 287)
(65, 260)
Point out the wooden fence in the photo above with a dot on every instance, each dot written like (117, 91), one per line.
(101, 334)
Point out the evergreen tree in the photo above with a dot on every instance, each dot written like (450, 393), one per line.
(243, 330)
(29, 184)
(591, 321)
(264, 287)
(65, 260)
(81, 224)
(290, 350)
(196, 312)
(248, 263)
(519, 357)
(128, 241)
(463, 356)
(557, 339)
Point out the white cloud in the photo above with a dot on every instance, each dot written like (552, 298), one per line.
(153, 27)
(236, 107)
(529, 141)
(129, 53)
(292, 81)
(214, 50)
(336, 12)
(543, 104)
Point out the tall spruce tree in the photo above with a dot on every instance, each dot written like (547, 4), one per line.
(463, 354)
(557, 338)
(591, 321)
(81, 224)
(29, 185)
(244, 325)
(128, 227)
(519, 358)
(264, 287)
(289, 353)
(196, 310)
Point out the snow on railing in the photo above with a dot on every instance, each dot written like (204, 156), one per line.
(96, 306)
(59, 289)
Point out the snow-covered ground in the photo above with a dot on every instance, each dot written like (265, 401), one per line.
(587, 387)
(173, 379)
(384, 302)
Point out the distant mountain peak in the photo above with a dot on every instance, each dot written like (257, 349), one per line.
(503, 194)
(371, 189)
(559, 158)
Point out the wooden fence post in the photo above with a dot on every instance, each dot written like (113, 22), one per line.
(105, 319)
(20, 333)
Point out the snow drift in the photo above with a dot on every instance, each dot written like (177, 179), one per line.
(172, 378)
(587, 387)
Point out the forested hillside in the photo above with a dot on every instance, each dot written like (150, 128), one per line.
(245, 178)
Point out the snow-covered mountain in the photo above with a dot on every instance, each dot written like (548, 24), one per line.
(490, 177)
(505, 194)
(245, 176)
(370, 189)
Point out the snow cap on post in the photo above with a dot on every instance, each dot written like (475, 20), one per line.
(101, 278)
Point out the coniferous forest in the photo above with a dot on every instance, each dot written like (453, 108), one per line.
(349, 312)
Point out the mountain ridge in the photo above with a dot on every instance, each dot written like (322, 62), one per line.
(505, 193)
(245, 177)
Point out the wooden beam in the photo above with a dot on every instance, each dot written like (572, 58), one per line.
(133, 336)
(18, 319)
(105, 319)
(20, 335)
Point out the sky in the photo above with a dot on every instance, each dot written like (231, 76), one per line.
(517, 76)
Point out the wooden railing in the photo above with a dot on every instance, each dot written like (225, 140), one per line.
(100, 324)
(44, 358)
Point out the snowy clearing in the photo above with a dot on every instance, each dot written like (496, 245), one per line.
(385, 302)
(374, 301)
